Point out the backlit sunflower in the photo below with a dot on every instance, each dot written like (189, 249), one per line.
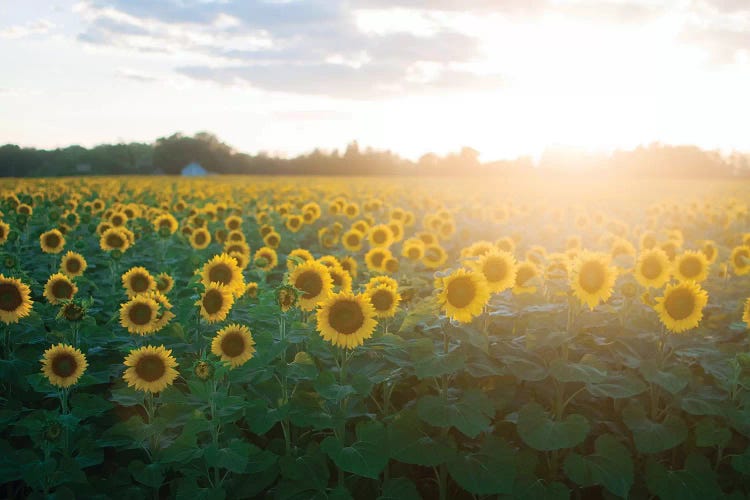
(234, 343)
(413, 249)
(63, 365)
(15, 300)
(349, 264)
(73, 264)
(708, 248)
(346, 320)
(384, 300)
(434, 256)
(215, 302)
(463, 295)
(376, 257)
(498, 268)
(114, 239)
(59, 288)
(526, 275)
(314, 281)
(740, 259)
(52, 241)
(681, 307)
(265, 258)
(352, 240)
(380, 236)
(224, 270)
(342, 280)
(139, 315)
(592, 278)
(138, 280)
(164, 283)
(652, 269)
(376, 281)
(691, 266)
(200, 238)
(4, 231)
(150, 369)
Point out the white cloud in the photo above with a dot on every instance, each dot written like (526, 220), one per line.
(40, 27)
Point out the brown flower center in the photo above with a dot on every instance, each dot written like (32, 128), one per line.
(691, 267)
(139, 283)
(382, 300)
(64, 365)
(73, 265)
(310, 283)
(140, 314)
(220, 273)
(495, 269)
(150, 368)
(10, 297)
(525, 273)
(114, 240)
(61, 289)
(200, 238)
(52, 240)
(461, 291)
(346, 317)
(213, 300)
(651, 267)
(232, 344)
(592, 276)
(679, 304)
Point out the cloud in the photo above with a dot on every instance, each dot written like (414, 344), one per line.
(135, 75)
(40, 27)
(724, 44)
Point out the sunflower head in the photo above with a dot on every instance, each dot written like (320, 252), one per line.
(73, 264)
(215, 302)
(385, 300)
(434, 256)
(652, 269)
(224, 270)
(297, 257)
(251, 290)
(691, 266)
(164, 283)
(203, 369)
(346, 320)
(59, 288)
(286, 297)
(265, 258)
(72, 311)
(15, 300)
(63, 365)
(681, 307)
(498, 268)
(137, 281)
(200, 238)
(463, 295)
(52, 241)
(114, 239)
(527, 274)
(234, 344)
(740, 260)
(140, 315)
(592, 278)
(314, 281)
(150, 369)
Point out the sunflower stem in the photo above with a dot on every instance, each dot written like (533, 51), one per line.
(65, 409)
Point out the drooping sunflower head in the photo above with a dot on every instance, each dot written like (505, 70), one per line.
(234, 344)
(464, 295)
(52, 241)
(498, 268)
(73, 264)
(59, 288)
(346, 320)
(164, 283)
(265, 258)
(63, 365)
(681, 307)
(137, 280)
(592, 278)
(224, 270)
(691, 266)
(652, 269)
(15, 300)
(215, 302)
(314, 281)
(286, 297)
(150, 369)
(740, 260)
(385, 300)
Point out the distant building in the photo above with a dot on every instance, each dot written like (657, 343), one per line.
(194, 170)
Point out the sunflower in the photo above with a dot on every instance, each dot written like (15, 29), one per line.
(52, 241)
(15, 300)
(498, 268)
(140, 315)
(314, 280)
(138, 280)
(653, 268)
(375, 258)
(376, 281)
(73, 264)
(434, 256)
(352, 240)
(272, 239)
(224, 270)
(265, 258)
(215, 302)
(342, 280)
(413, 249)
(740, 259)
(200, 238)
(384, 300)
(118, 219)
(59, 288)
(233, 343)
(345, 319)
(526, 274)
(233, 223)
(463, 295)
(4, 231)
(681, 307)
(691, 266)
(114, 239)
(294, 223)
(164, 283)
(63, 365)
(165, 222)
(251, 290)
(380, 236)
(506, 244)
(746, 313)
(150, 369)
(237, 247)
(592, 278)
(298, 256)
(708, 248)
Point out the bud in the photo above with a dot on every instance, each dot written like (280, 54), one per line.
(203, 370)
(302, 358)
(72, 312)
(286, 297)
(10, 261)
(52, 431)
(251, 290)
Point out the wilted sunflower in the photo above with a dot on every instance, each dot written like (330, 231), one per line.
(150, 369)
(265, 258)
(498, 268)
(73, 264)
(63, 365)
(463, 295)
(215, 302)
(224, 270)
(652, 269)
(314, 280)
(592, 278)
(286, 297)
(52, 241)
(691, 266)
(4, 231)
(681, 307)
(740, 259)
(164, 283)
(15, 300)
(59, 288)
(352, 240)
(114, 239)
(384, 300)
(346, 320)
(200, 238)
(234, 343)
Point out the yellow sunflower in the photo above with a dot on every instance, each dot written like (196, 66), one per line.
(691, 266)
(139, 315)
(272, 239)
(63, 365)
(352, 240)
(59, 288)
(463, 295)
(200, 238)
(4, 231)
(708, 248)
(384, 300)
(681, 307)
(233, 343)
(164, 283)
(740, 259)
(294, 223)
(376, 281)
(652, 269)
(314, 280)
(391, 265)
(233, 223)
(114, 239)
(52, 241)
(349, 264)
(215, 302)
(138, 280)
(376, 257)
(346, 320)
(746, 313)
(592, 278)
(251, 290)
(526, 274)
(498, 268)
(342, 280)
(224, 270)
(265, 258)
(165, 222)
(413, 249)
(15, 300)
(73, 264)
(434, 256)
(380, 236)
(150, 369)
(298, 255)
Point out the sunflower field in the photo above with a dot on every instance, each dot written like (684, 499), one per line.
(336, 338)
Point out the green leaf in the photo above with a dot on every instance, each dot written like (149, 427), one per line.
(423, 311)
(539, 489)
(409, 443)
(672, 379)
(741, 463)
(619, 386)
(150, 475)
(650, 436)
(233, 458)
(429, 362)
(127, 396)
(542, 433)
(365, 457)
(399, 488)
(471, 414)
(308, 471)
(610, 466)
(88, 405)
(328, 388)
(524, 369)
(709, 433)
(565, 371)
(696, 482)
(489, 471)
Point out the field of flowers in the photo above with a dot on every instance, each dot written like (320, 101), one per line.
(360, 338)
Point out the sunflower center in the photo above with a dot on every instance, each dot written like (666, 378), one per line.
(140, 314)
(115, 241)
(73, 265)
(592, 277)
(64, 365)
(690, 267)
(461, 291)
(525, 273)
(273, 240)
(352, 240)
(382, 300)
(165, 223)
(377, 259)
(200, 238)
(150, 368)
(213, 301)
(310, 283)
(708, 251)
(232, 344)
(651, 268)
(220, 273)
(10, 297)
(338, 280)
(346, 317)
(52, 240)
(139, 283)
(679, 304)
(61, 289)
(413, 253)
(495, 270)
(379, 237)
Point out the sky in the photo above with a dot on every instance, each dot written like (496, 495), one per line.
(506, 77)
